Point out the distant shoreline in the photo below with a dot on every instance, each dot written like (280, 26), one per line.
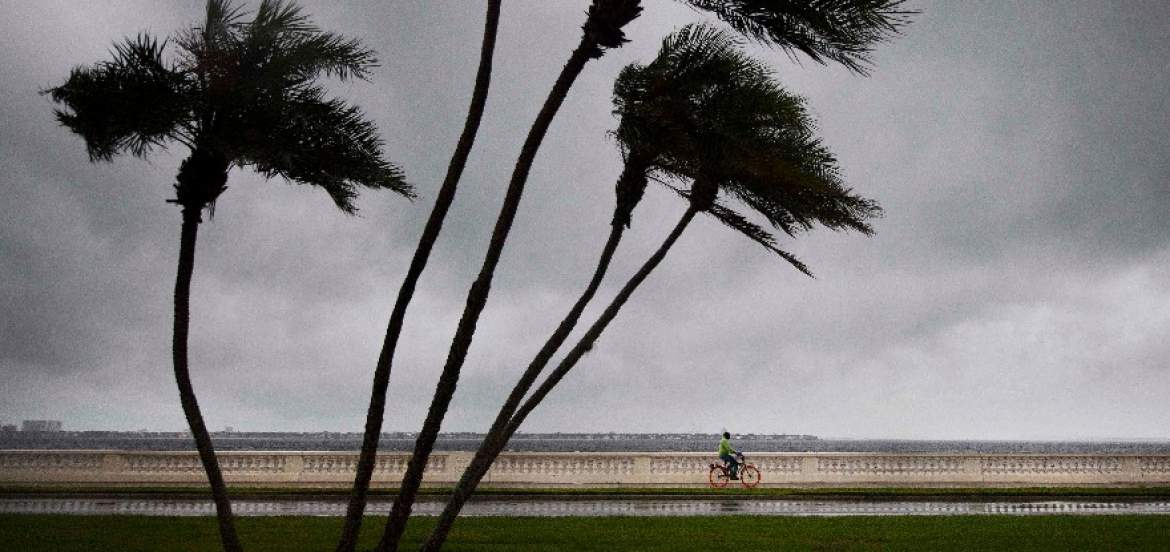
(560, 442)
(403, 435)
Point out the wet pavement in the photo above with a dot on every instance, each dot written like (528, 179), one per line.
(552, 507)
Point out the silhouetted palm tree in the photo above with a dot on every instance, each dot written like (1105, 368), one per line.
(701, 111)
(238, 94)
(602, 31)
(842, 31)
(376, 411)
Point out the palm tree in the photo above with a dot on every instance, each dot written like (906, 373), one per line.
(842, 31)
(601, 31)
(238, 94)
(368, 455)
(839, 30)
(701, 111)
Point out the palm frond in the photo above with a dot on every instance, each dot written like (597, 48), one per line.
(604, 21)
(240, 89)
(737, 222)
(219, 26)
(275, 17)
(799, 210)
(325, 143)
(221, 15)
(282, 39)
(843, 31)
(308, 55)
(666, 104)
(732, 219)
(704, 112)
(132, 103)
(701, 83)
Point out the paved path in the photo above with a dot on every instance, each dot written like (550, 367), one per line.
(545, 507)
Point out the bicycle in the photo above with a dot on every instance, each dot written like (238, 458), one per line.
(720, 474)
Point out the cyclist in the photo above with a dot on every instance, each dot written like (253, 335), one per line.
(727, 454)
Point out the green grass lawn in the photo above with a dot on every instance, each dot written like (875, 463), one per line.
(28, 533)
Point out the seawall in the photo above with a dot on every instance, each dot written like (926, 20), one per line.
(113, 468)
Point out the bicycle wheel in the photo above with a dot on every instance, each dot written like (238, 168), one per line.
(749, 476)
(718, 477)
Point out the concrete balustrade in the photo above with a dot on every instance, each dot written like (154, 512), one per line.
(574, 469)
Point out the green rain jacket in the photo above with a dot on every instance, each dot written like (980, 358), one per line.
(725, 447)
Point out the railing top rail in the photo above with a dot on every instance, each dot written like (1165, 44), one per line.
(652, 454)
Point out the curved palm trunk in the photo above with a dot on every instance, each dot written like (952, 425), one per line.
(223, 508)
(586, 343)
(496, 438)
(477, 299)
(377, 408)
(485, 456)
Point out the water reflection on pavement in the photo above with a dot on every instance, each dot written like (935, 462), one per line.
(545, 507)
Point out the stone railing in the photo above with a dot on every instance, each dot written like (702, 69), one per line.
(640, 469)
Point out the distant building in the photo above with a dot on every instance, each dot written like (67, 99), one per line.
(40, 425)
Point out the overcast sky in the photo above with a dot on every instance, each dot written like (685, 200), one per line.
(1017, 287)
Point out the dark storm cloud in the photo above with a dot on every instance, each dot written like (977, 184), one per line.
(1016, 287)
(1040, 131)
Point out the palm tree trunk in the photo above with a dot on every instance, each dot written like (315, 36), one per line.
(477, 299)
(377, 408)
(586, 343)
(223, 508)
(486, 457)
(495, 438)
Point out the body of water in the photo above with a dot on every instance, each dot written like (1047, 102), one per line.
(520, 443)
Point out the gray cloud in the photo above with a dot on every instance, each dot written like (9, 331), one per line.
(1015, 289)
